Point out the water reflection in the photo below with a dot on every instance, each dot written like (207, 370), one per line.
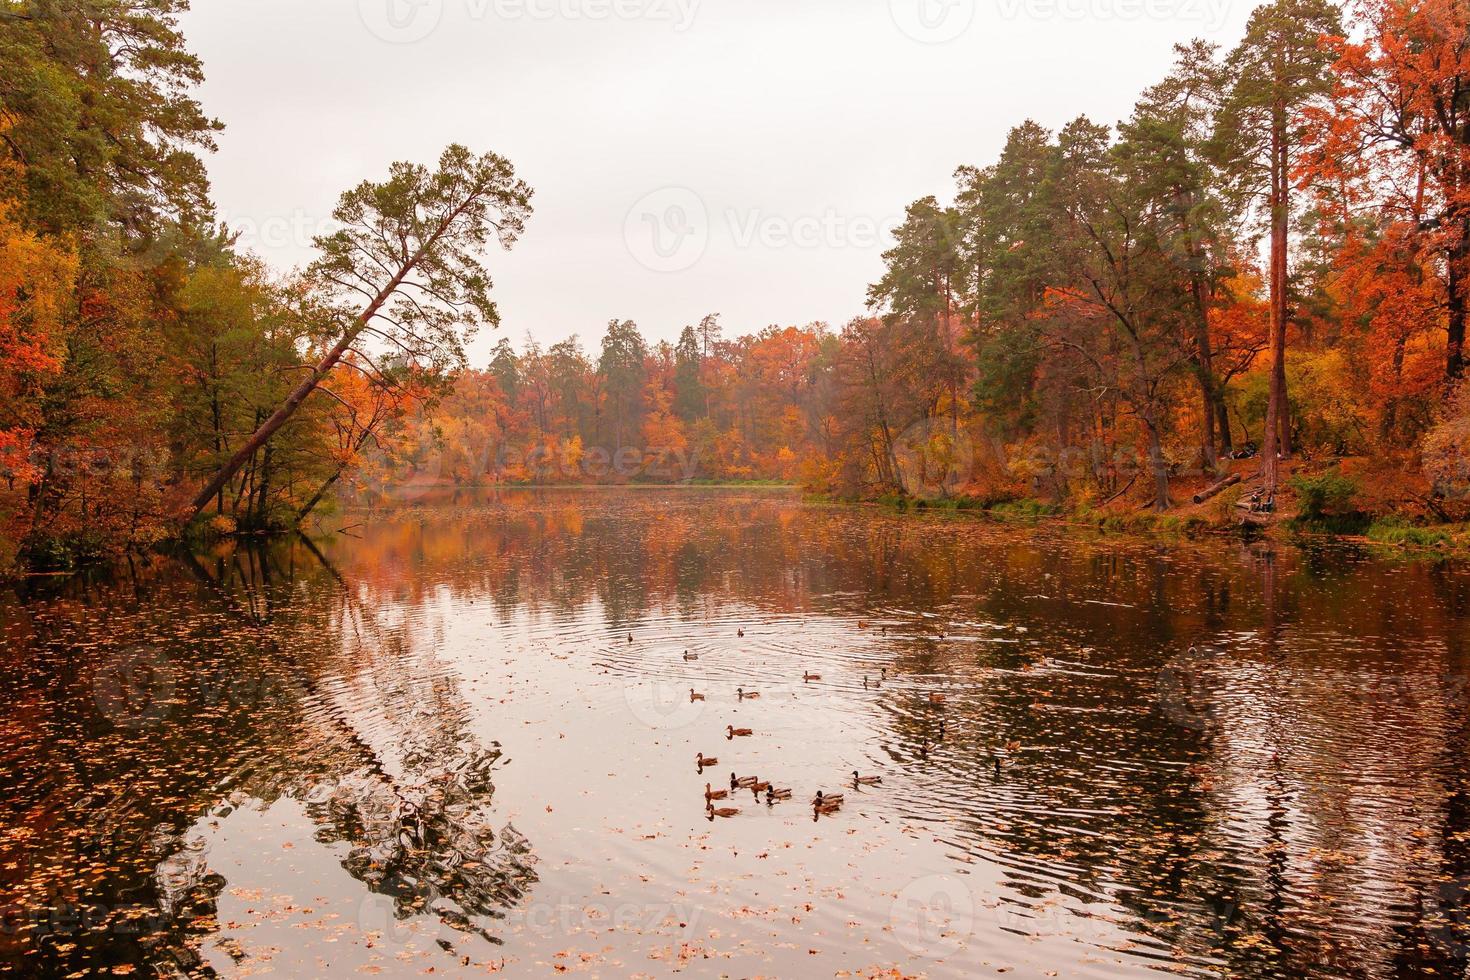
(1285, 799)
(151, 705)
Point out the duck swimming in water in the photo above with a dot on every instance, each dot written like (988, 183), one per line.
(694, 696)
(865, 780)
(724, 811)
(714, 794)
(702, 760)
(827, 805)
(731, 732)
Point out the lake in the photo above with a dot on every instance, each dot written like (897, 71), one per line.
(459, 737)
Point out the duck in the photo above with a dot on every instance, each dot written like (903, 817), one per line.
(758, 787)
(724, 811)
(1013, 746)
(834, 799)
(731, 732)
(808, 677)
(828, 806)
(714, 794)
(737, 782)
(924, 750)
(740, 632)
(742, 694)
(865, 780)
(862, 624)
(630, 637)
(702, 760)
(936, 698)
(775, 795)
(690, 656)
(996, 759)
(695, 696)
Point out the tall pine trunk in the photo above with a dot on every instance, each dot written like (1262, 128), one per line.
(1273, 444)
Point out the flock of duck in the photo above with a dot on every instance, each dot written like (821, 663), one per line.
(824, 803)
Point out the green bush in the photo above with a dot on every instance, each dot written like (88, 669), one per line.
(1324, 498)
(1028, 508)
(1395, 530)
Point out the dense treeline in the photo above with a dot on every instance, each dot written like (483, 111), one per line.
(1267, 257)
(151, 372)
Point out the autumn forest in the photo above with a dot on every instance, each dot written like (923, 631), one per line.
(1263, 269)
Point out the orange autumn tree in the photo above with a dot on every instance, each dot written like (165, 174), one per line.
(36, 279)
(1394, 145)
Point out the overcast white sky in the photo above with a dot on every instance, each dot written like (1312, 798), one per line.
(688, 156)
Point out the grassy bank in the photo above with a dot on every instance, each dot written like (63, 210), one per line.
(1375, 508)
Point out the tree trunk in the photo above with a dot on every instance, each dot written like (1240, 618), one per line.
(1455, 354)
(320, 495)
(1272, 444)
(1204, 355)
(1156, 462)
(262, 502)
(323, 368)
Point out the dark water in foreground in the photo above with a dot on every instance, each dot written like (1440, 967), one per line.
(433, 747)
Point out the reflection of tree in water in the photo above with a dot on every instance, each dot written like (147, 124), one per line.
(1108, 800)
(429, 846)
(415, 814)
(109, 872)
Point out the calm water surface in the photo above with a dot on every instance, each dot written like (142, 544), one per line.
(460, 740)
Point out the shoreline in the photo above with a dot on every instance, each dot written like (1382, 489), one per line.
(1382, 534)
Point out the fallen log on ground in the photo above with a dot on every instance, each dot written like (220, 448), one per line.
(1224, 484)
